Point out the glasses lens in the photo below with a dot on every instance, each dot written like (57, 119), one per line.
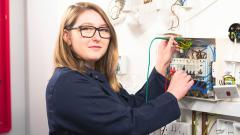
(87, 31)
(104, 32)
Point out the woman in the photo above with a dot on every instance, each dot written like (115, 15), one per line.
(84, 97)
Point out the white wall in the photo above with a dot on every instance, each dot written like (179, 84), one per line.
(34, 55)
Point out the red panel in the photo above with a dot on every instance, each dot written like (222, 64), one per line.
(5, 104)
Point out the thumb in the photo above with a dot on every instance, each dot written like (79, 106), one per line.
(170, 43)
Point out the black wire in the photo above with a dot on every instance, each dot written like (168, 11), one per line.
(200, 54)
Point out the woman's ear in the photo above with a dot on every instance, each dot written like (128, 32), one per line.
(67, 37)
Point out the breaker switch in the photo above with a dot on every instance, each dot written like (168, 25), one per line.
(172, 71)
(200, 72)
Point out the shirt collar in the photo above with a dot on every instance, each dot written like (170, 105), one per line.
(96, 75)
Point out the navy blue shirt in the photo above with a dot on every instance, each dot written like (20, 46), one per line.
(85, 104)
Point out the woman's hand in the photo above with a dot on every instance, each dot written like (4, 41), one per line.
(166, 48)
(180, 84)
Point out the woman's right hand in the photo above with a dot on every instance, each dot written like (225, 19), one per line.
(180, 84)
(165, 51)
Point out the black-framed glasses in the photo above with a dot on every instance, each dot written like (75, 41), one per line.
(89, 31)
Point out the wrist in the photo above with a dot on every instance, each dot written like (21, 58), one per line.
(172, 93)
(161, 69)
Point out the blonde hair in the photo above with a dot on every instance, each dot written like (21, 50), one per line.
(64, 56)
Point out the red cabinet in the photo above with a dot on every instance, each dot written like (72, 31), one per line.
(5, 104)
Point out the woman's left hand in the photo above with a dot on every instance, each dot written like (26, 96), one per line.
(165, 51)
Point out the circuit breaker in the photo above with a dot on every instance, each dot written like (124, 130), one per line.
(5, 104)
(196, 60)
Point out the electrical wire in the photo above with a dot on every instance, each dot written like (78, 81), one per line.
(148, 68)
(213, 52)
(115, 8)
(200, 54)
(206, 45)
(178, 39)
(213, 121)
(196, 123)
(200, 87)
(206, 132)
(185, 44)
(175, 15)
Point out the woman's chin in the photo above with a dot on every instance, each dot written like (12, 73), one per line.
(94, 59)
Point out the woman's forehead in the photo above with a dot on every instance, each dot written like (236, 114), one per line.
(90, 17)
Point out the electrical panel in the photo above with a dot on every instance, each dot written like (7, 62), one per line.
(5, 105)
(196, 60)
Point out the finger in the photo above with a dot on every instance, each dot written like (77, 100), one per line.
(177, 49)
(189, 84)
(185, 74)
(180, 73)
(170, 42)
(175, 42)
(188, 78)
(163, 43)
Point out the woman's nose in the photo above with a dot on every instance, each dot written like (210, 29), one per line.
(97, 35)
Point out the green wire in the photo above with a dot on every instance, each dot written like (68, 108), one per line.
(185, 45)
(167, 38)
(149, 50)
(234, 35)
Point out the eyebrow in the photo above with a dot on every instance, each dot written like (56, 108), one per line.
(105, 25)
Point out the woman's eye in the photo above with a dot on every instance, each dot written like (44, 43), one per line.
(87, 28)
(105, 30)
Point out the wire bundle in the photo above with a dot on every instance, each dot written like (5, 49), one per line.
(185, 44)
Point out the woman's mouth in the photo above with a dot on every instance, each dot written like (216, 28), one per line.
(94, 46)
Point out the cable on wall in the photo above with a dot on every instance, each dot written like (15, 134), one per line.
(115, 8)
(173, 25)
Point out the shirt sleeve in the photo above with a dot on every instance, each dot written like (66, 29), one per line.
(157, 84)
(84, 108)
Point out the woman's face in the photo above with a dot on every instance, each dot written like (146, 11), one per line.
(85, 43)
